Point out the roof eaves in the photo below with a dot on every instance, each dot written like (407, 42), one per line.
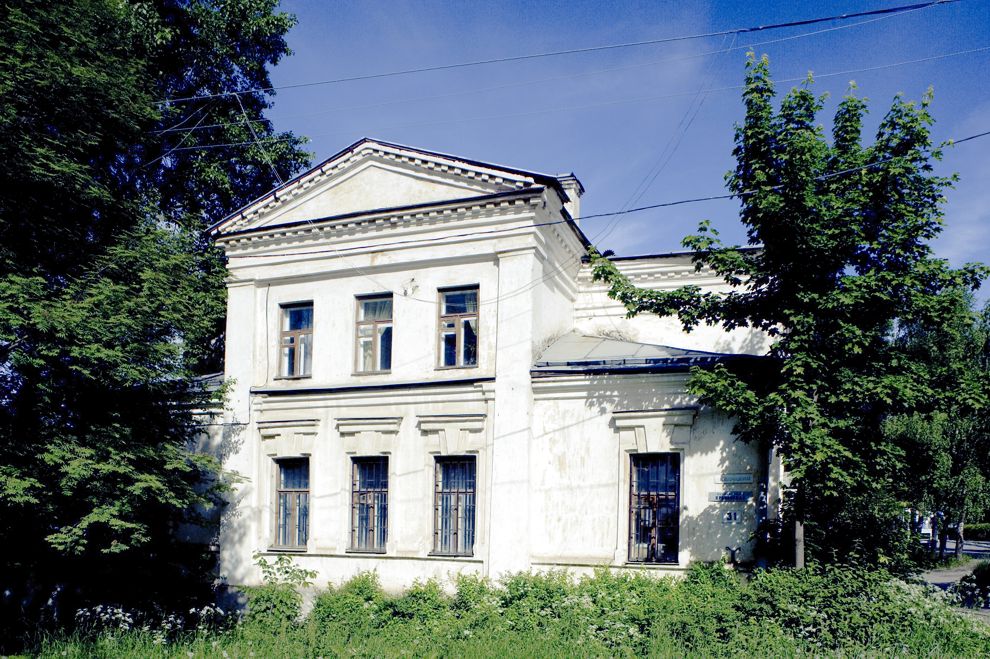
(670, 255)
(508, 194)
(639, 365)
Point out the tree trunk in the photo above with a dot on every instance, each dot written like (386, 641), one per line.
(960, 535)
(943, 539)
(798, 544)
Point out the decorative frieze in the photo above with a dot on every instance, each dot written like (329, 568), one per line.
(453, 434)
(287, 437)
(654, 431)
(366, 435)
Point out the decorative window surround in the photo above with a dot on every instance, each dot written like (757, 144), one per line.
(453, 434)
(290, 437)
(368, 435)
(654, 431)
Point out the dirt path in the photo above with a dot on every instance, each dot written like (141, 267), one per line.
(946, 577)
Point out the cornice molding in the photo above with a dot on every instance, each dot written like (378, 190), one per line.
(315, 233)
(355, 425)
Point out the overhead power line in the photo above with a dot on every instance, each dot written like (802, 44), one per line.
(620, 101)
(567, 262)
(570, 51)
(567, 76)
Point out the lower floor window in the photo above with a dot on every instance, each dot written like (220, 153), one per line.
(654, 507)
(454, 506)
(292, 523)
(369, 504)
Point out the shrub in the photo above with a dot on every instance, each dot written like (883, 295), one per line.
(980, 531)
(709, 612)
(703, 611)
(837, 608)
(355, 609)
(278, 603)
(533, 601)
(973, 590)
(424, 602)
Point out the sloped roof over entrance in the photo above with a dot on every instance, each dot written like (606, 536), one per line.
(579, 353)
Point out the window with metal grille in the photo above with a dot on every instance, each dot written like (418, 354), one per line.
(654, 507)
(296, 341)
(458, 328)
(292, 503)
(369, 504)
(374, 334)
(453, 506)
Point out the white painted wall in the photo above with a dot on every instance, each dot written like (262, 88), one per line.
(552, 454)
(596, 313)
(580, 472)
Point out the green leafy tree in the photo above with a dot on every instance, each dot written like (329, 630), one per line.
(949, 444)
(111, 299)
(839, 257)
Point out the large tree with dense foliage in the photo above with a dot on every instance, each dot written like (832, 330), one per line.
(948, 473)
(111, 299)
(842, 260)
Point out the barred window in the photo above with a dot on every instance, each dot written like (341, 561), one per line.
(458, 327)
(454, 506)
(374, 334)
(369, 504)
(654, 507)
(296, 341)
(292, 494)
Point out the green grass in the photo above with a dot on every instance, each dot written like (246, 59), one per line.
(711, 613)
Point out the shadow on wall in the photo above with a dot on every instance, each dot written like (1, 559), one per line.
(222, 524)
(705, 530)
(754, 343)
(609, 393)
(231, 529)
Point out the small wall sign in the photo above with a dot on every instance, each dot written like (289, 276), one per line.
(735, 478)
(730, 517)
(730, 496)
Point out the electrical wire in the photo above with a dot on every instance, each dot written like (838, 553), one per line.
(264, 153)
(179, 147)
(569, 76)
(610, 103)
(570, 51)
(667, 204)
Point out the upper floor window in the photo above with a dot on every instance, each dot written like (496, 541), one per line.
(459, 327)
(374, 333)
(292, 512)
(297, 340)
(654, 507)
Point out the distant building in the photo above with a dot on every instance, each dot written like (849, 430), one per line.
(426, 381)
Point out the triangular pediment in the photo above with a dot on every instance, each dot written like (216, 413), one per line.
(371, 176)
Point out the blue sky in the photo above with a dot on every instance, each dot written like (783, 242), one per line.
(608, 116)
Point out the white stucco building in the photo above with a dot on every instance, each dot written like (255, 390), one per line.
(425, 381)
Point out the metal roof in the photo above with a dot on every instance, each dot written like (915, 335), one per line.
(576, 352)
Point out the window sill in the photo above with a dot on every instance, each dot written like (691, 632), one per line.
(436, 554)
(372, 552)
(359, 373)
(287, 550)
(293, 377)
(455, 368)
